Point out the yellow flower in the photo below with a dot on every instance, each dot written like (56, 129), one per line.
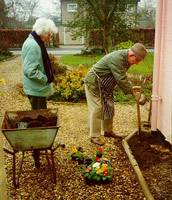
(3, 81)
(74, 150)
(104, 167)
(99, 171)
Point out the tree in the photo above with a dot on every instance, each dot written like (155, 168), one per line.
(105, 15)
(3, 14)
(21, 10)
(148, 13)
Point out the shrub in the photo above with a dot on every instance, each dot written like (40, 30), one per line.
(124, 45)
(71, 86)
(4, 54)
(2, 90)
(58, 68)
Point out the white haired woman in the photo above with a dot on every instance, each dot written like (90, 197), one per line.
(37, 72)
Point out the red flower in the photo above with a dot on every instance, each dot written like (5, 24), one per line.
(105, 173)
(98, 159)
(100, 149)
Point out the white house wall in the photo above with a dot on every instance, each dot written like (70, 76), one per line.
(164, 110)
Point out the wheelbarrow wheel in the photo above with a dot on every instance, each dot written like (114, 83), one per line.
(36, 158)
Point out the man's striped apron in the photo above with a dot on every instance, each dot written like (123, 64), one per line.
(106, 88)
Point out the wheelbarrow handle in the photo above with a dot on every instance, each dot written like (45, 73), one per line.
(58, 145)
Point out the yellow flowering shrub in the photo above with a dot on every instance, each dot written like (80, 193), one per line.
(58, 68)
(70, 87)
(2, 84)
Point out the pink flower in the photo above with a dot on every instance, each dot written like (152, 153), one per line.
(89, 169)
(100, 149)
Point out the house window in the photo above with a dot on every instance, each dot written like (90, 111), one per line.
(72, 7)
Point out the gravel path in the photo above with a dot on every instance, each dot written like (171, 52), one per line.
(36, 184)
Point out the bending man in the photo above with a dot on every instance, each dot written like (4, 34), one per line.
(99, 86)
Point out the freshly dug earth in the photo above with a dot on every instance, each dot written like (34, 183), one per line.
(155, 161)
(36, 184)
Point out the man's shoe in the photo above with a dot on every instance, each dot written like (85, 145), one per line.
(111, 134)
(97, 140)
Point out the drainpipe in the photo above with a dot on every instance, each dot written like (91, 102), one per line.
(135, 166)
(157, 59)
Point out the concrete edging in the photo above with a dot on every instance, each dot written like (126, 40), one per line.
(135, 165)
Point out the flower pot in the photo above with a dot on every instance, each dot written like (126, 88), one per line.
(92, 181)
(73, 158)
(88, 162)
(99, 155)
(80, 161)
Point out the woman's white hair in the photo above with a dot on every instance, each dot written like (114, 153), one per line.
(43, 26)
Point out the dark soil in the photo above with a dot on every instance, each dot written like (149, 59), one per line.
(154, 157)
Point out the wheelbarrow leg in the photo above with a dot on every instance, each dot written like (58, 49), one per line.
(36, 154)
(53, 166)
(16, 183)
(14, 169)
(52, 174)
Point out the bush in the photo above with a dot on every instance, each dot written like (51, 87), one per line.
(58, 68)
(92, 51)
(4, 54)
(124, 45)
(71, 86)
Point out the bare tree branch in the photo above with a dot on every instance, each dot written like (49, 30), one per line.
(95, 11)
(113, 10)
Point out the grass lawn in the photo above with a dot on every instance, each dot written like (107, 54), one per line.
(145, 67)
(77, 60)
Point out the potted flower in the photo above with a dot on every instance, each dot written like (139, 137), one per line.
(99, 171)
(78, 154)
(73, 153)
(99, 152)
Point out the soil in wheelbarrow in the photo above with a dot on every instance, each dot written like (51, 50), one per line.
(155, 161)
(40, 121)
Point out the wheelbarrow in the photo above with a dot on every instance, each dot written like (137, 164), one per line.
(28, 131)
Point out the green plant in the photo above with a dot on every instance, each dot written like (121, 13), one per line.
(99, 170)
(124, 45)
(58, 68)
(78, 154)
(4, 54)
(71, 86)
(99, 152)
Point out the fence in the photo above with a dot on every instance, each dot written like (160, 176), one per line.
(143, 35)
(16, 38)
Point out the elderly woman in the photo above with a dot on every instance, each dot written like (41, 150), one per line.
(37, 72)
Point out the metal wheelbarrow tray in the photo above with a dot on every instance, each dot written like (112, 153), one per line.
(31, 130)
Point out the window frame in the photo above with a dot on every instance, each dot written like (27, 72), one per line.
(69, 4)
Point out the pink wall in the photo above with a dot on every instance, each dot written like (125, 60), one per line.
(162, 75)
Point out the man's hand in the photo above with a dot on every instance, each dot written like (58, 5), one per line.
(142, 99)
(136, 95)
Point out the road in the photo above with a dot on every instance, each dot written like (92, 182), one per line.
(62, 50)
